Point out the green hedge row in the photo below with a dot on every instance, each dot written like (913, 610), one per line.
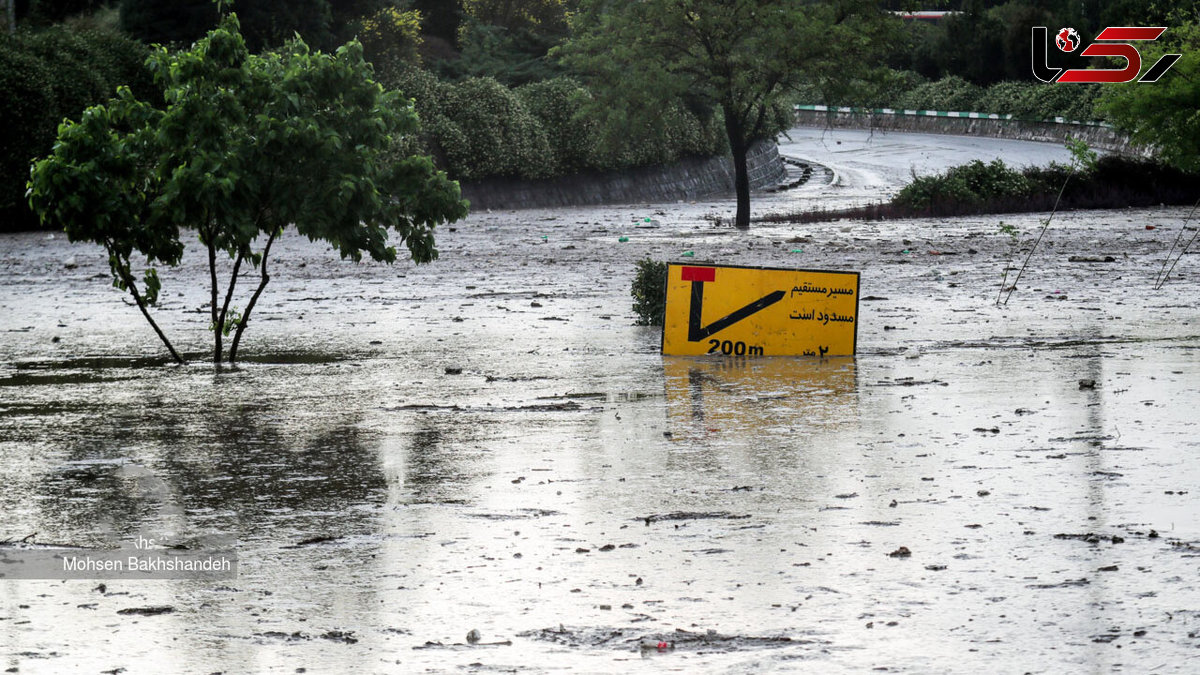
(1029, 100)
(478, 128)
(1023, 99)
(475, 129)
(47, 76)
(1114, 182)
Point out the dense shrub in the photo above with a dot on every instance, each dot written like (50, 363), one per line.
(906, 89)
(1071, 101)
(498, 135)
(1025, 100)
(120, 61)
(571, 137)
(25, 95)
(78, 78)
(671, 133)
(478, 129)
(1008, 98)
(649, 291)
(948, 93)
(889, 87)
(883, 89)
(47, 76)
(1036, 101)
(972, 183)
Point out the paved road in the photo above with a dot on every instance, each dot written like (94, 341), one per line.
(869, 166)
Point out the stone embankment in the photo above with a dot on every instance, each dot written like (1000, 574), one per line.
(688, 180)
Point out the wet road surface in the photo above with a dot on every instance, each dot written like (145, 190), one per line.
(953, 499)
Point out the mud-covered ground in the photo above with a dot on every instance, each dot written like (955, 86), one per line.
(982, 489)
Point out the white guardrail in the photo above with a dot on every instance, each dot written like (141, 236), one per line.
(944, 113)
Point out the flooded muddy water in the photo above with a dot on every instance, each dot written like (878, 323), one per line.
(488, 443)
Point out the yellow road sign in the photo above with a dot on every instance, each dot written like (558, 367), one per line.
(758, 311)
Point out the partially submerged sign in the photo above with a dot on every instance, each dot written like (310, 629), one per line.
(759, 311)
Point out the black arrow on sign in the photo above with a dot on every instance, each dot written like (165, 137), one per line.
(697, 332)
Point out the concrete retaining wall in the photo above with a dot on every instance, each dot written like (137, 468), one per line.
(1098, 136)
(686, 180)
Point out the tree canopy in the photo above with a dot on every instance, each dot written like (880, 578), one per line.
(1164, 114)
(738, 58)
(245, 146)
(265, 23)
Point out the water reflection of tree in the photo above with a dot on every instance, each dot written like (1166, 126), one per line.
(236, 468)
(438, 458)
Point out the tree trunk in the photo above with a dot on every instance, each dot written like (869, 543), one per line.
(127, 279)
(742, 185)
(262, 284)
(223, 316)
(741, 176)
(212, 271)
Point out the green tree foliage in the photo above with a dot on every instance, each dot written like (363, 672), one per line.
(735, 58)
(44, 77)
(345, 15)
(507, 40)
(1166, 114)
(266, 23)
(391, 38)
(570, 137)
(988, 41)
(442, 18)
(51, 11)
(512, 56)
(546, 15)
(972, 46)
(243, 147)
(167, 22)
(948, 93)
(500, 137)
(477, 129)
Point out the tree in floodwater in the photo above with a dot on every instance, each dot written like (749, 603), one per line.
(241, 147)
(740, 58)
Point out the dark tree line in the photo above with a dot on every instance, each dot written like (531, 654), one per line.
(987, 41)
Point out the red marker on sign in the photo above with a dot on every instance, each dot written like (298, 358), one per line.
(699, 273)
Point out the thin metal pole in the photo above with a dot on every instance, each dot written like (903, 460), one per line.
(1045, 226)
(1161, 279)
(1162, 282)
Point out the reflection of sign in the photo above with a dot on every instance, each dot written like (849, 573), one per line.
(754, 311)
(756, 401)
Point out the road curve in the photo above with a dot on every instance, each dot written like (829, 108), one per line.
(870, 166)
